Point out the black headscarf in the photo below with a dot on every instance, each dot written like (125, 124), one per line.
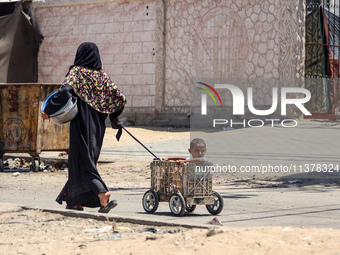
(87, 56)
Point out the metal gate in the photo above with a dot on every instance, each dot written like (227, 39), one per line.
(322, 56)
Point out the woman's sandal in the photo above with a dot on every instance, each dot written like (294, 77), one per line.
(105, 209)
(76, 207)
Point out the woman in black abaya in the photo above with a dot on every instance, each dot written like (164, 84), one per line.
(97, 97)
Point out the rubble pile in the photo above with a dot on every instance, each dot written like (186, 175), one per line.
(17, 164)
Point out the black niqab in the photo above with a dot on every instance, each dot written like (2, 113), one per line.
(88, 56)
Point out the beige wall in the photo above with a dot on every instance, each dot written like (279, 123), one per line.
(124, 32)
(152, 48)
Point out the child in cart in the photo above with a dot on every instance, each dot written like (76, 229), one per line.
(197, 150)
(183, 185)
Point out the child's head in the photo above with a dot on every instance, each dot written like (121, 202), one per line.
(197, 148)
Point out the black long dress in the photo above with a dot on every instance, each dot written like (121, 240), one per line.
(84, 183)
(87, 80)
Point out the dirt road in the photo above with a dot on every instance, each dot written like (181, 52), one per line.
(37, 232)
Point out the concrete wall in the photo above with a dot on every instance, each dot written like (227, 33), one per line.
(249, 39)
(152, 48)
(124, 32)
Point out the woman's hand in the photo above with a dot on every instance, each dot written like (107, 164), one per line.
(45, 116)
(115, 124)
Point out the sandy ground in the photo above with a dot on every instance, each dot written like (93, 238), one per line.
(145, 135)
(37, 232)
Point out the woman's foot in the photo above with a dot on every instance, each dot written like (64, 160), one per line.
(104, 198)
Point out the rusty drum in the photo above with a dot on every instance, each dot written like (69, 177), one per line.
(22, 128)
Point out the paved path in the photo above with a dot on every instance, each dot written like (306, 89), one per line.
(305, 206)
(244, 207)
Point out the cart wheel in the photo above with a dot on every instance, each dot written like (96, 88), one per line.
(35, 165)
(150, 201)
(177, 204)
(218, 206)
(190, 208)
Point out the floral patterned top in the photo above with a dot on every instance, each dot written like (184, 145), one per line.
(96, 89)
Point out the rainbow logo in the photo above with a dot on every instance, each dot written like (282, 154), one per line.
(209, 93)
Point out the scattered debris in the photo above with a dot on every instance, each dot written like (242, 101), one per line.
(211, 232)
(187, 238)
(151, 237)
(15, 163)
(152, 230)
(123, 228)
(16, 174)
(294, 181)
(215, 221)
(99, 230)
(173, 231)
(83, 246)
(62, 154)
(116, 237)
(20, 165)
(214, 231)
(114, 226)
(61, 165)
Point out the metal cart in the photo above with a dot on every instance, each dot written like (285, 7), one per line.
(22, 129)
(182, 186)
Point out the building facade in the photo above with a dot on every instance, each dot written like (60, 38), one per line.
(152, 49)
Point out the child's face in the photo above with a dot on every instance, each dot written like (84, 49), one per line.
(198, 150)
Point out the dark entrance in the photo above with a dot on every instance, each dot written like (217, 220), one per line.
(19, 44)
(322, 57)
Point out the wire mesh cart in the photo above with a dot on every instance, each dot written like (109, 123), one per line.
(182, 185)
